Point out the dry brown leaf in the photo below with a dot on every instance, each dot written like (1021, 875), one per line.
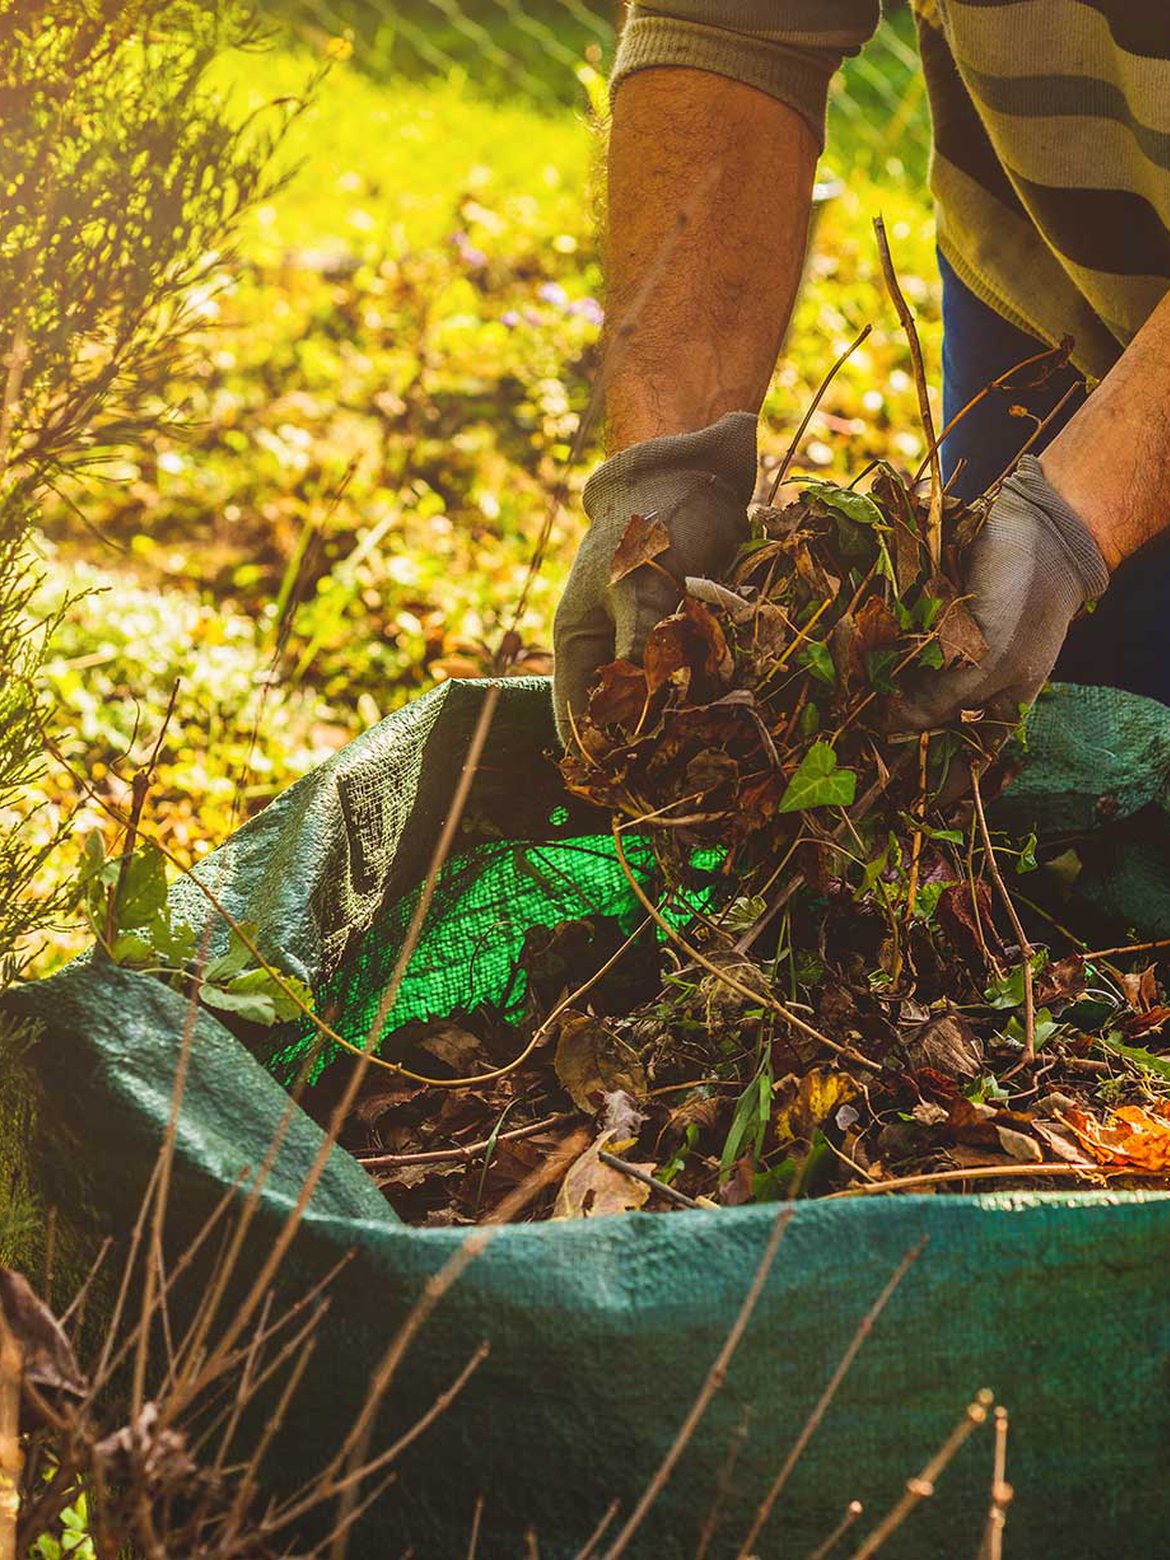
(1133, 1137)
(591, 1188)
(591, 1062)
(1019, 1145)
(48, 1355)
(644, 539)
(1141, 989)
(620, 696)
(946, 1044)
(456, 1048)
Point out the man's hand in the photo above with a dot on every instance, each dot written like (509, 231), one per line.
(1030, 570)
(698, 486)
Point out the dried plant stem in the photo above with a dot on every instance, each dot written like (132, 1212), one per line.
(790, 453)
(1089, 955)
(922, 1487)
(893, 287)
(1027, 952)
(438, 1156)
(476, 1520)
(723, 1485)
(911, 1183)
(600, 1530)
(865, 1327)
(852, 1511)
(1001, 1492)
(762, 999)
(712, 1383)
(11, 1456)
(351, 1453)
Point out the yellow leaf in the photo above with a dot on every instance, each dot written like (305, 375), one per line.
(809, 1102)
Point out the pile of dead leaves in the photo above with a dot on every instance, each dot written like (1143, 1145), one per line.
(833, 990)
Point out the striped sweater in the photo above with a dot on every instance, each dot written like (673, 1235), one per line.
(1051, 167)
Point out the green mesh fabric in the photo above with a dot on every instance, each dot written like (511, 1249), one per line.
(601, 1331)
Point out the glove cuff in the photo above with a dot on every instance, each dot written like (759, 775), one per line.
(725, 451)
(1075, 538)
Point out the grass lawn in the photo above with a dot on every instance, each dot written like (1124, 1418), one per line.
(386, 384)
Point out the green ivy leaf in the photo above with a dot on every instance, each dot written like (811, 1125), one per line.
(818, 660)
(858, 507)
(238, 958)
(818, 782)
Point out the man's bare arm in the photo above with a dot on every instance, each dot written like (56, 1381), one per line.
(738, 166)
(1111, 462)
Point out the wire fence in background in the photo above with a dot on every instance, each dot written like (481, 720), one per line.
(537, 49)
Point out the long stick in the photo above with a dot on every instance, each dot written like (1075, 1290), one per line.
(934, 519)
(711, 1385)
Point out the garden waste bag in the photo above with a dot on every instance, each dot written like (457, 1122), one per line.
(602, 1331)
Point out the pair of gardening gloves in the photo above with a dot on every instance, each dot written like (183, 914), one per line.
(1031, 569)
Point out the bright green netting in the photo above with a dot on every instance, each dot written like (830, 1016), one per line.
(468, 953)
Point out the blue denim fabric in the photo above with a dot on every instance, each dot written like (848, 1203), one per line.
(1125, 643)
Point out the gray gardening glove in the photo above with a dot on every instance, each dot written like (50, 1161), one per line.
(1030, 570)
(698, 485)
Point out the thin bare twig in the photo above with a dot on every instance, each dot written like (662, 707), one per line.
(438, 1156)
(1001, 1492)
(723, 1485)
(852, 1511)
(600, 1531)
(1027, 952)
(712, 1383)
(790, 453)
(476, 1520)
(922, 1487)
(655, 1185)
(906, 317)
(814, 1419)
(913, 1183)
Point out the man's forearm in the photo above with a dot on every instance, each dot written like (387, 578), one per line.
(1111, 462)
(710, 188)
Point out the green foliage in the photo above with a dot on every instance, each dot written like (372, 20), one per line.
(125, 903)
(818, 782)
(74, 1541)
(120, 174)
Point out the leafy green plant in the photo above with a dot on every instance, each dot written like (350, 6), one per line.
(126, 907)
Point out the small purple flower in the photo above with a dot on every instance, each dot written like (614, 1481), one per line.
(554, 293)
(510, 318)
(588, 309)
(468, 253)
